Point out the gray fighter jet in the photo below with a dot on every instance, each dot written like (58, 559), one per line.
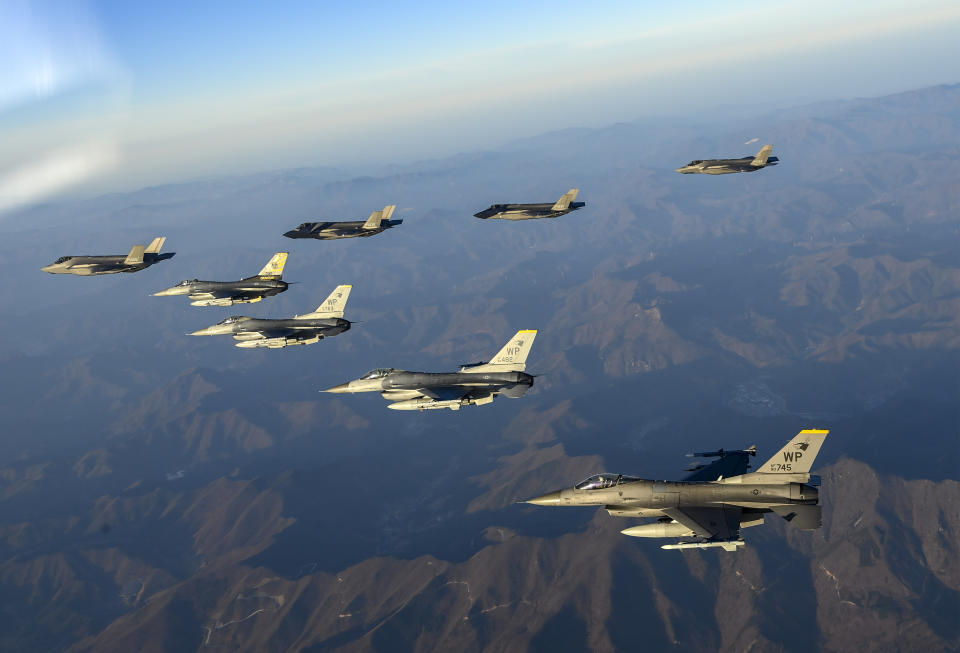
(140, 257)
(377, 222)
(709, 508)
(532, 211)
(474, 384)
(266, 283)
(307, 329)
(728, 166)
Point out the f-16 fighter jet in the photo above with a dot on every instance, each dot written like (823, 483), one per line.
(307, 329)
(266, 283)
(475, 384)
(728, 166)
(706, 510)
(377, 222)
(531, 211)
(140, 257)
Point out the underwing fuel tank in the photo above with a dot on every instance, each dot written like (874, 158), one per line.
(658, 529)
(429, 404)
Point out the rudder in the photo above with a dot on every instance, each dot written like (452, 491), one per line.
(564, 202)
(762, 156)
(156, 245)
(512, 357)
(135, 256)
(373, 222)
(333, 305)
(797, 456)
(274, 267)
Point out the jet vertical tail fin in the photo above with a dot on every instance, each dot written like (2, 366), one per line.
(512, 357)
(332, 306)
(564, 202)
(373, 222)
(155, 245)
(135, 255)
(797, 456)
(789, 465)
(274, 267)
(762, 156)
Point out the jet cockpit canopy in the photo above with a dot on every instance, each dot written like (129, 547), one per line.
(187, 282)
(695, 163)
(233, 319)
(377, 373)
(62, 259)
(604, 480)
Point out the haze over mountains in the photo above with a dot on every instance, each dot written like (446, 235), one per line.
(168, 493)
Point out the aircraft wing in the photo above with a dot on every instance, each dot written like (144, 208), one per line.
(710, 523)
(443, 393)
(733, 463)
(236, 293)
(276, 333)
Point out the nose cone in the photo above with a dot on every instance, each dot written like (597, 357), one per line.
(170, 292)
(48, 268)
(343, 388)
(210, 331)
(293, 233)
(549, 499)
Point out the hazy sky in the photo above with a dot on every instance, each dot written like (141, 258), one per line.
(114, 95)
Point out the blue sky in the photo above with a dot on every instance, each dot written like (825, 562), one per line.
(148, 93)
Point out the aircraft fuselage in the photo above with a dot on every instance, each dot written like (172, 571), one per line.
(337, 230)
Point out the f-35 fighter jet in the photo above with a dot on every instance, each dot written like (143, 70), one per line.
(532, 211)
(475, 384)
(266, 283)
(377, 222)
(140, 257)
(708, 510)
(728, 166)
(307, 329)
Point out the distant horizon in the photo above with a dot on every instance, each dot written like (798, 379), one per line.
(369, 168)
(105, 97)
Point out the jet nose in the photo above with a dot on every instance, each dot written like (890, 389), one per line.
(209, 331)
(549, 499)
(166, 293)
(343, 388)
(47, 268)
(293, 233)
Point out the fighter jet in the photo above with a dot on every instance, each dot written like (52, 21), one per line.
(377, 222)
(266, 283)
(708, 509)
(475, 384)
(728, 166)
(306, 329)
(140, 257)
(532, 211)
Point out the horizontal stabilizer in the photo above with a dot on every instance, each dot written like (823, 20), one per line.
(274, 267)
(511, 358)
(332, 306)
(135, 256)
(804, 517)
(564, 202)
(156, 245)
(762, 156)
